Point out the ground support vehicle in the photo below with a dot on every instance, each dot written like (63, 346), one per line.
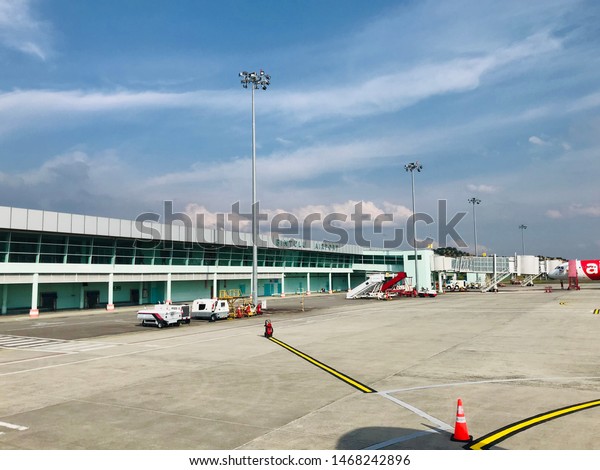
(427, 292)
(245, 309)
(456, 286)
(210, 309)
(164, 315)
(399, 291)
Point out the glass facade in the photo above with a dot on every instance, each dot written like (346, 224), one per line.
(31, 247)
(78, 269)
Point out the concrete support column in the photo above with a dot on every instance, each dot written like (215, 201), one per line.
(141, 300)
(215, 286)
(111, 288)
(282, 284)
(440, 285)
(349, 283)
(4, 299)
(495, 288)
(81, 297)
(34, 312)
(330, 285)
(168, 299)
(307, 283)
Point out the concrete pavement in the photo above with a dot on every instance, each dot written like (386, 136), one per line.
(508, 356)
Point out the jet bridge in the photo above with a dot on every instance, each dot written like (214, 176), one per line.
(496, 268)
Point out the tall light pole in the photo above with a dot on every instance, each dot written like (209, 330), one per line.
(255, 81)
(412, 167)
(474, 201)
(523, 227)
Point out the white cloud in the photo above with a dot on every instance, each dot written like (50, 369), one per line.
(590, 211)
(382, 92)
(24, 109)
(549, 142)
(586, 102)
(209, 218)
(574, 210)
(292, 166)
(51, 172)
(75, 182)
(537, 141)
(348, 208)
(19, 30)
(482, 188)
(49, 101)
(311, 213)
(283, 141)
(554, 214)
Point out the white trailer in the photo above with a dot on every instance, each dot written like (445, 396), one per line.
(210, 309)
(164, 315)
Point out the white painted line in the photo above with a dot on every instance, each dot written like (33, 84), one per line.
(13, 426)
(10, 342)
(478, 382)
(132, 353)
(19, 338)
(410, 437)
(71, 346)
(22, 345)
(93, 347)
(46, 356)
(440, 424)
(49, 344)
(46, 346)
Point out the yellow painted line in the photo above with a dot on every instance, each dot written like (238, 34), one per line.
(495, 437)
(326, 368)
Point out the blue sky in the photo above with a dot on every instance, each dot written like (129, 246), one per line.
(109, 108)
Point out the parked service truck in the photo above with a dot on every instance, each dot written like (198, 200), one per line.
(164, 315)
(210, 309)
(456, 285)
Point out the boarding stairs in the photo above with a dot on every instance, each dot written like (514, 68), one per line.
(376, 292)
(529, 279)
(392, 282)
(495, 280)
(371, 285)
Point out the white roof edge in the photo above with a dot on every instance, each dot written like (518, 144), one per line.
(81, 224)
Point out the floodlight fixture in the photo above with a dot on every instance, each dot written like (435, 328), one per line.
(413, 166)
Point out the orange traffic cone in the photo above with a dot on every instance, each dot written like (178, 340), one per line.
(461, 433)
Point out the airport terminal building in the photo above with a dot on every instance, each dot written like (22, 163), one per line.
(53, 261)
